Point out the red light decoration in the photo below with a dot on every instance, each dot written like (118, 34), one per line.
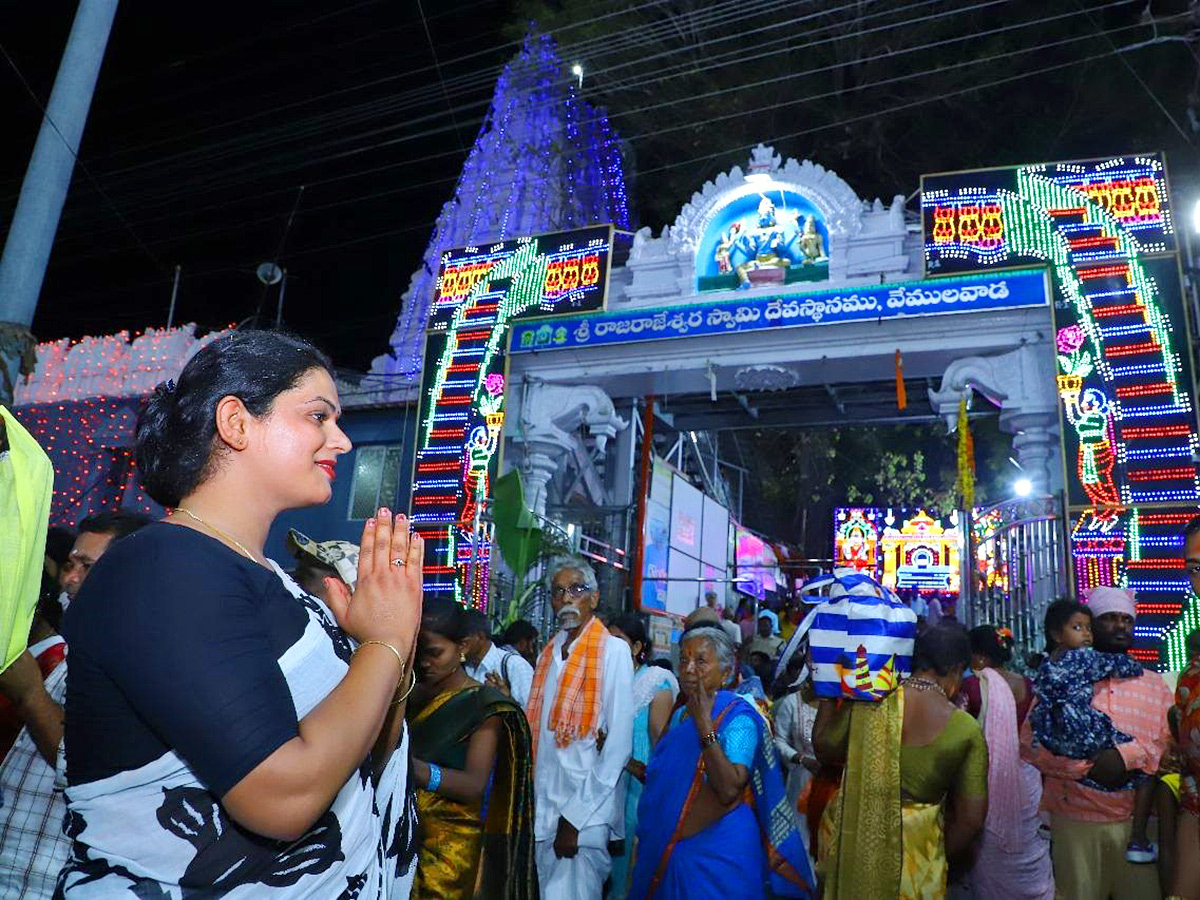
(1144, 390)
(1124, 365)
(481, 291)
(1159, 609)
(1134, 349)
(1156, 431)
(1130, 309)
(1159, 518)
(1104, 272)
(90, 443)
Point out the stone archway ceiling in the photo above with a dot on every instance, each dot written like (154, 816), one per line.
(807, 406)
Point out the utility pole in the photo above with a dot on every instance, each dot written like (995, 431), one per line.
(44, 190)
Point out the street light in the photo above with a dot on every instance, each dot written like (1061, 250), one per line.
(577, 71)
(1022, 487)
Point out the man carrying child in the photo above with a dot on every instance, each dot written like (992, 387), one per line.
(1091, 827)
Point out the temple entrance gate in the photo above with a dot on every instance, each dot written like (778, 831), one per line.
(781, 278)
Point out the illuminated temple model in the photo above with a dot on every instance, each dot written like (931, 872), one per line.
(544, 161)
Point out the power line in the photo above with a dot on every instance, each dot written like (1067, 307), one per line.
(805, 99)
(309, 251)
(874, 84)
(478, 79)
(438, 69)
(257, 165)
(1134, 72)
(86, 171)
(886, 112)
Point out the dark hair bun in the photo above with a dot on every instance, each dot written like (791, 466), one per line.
(942, 649)
(987, 641)
(176, 427)
(633, 627)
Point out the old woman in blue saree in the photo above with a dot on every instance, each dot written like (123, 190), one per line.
(714, 820)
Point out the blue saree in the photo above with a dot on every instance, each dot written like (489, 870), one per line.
(754, 846)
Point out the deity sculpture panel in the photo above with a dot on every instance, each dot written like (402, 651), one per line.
(775, 236)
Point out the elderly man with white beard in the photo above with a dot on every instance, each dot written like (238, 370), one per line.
(581, 716)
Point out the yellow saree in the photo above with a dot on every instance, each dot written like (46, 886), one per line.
(868, 856)
(482, 850)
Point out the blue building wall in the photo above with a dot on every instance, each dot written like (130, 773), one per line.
(391, 426)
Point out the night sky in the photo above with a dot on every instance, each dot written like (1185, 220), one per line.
(209, 117)
(206, 120)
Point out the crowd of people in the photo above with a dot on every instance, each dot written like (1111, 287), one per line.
(191, 719)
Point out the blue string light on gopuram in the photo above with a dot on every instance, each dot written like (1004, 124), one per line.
(544, 160)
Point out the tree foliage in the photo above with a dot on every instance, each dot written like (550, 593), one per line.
(799, 476)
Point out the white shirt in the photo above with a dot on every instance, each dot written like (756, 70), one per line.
(794, 720)
(520, 672)
(577, 782)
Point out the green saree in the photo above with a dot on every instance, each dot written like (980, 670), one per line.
(885, 829)
(481, 850)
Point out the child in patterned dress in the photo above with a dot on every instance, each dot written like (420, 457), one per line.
(1064, 720)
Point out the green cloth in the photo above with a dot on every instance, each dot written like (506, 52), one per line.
(864, 857)
(517, 533)
(954, 762)
(26, 486)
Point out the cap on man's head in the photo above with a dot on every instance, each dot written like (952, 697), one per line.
(341, 556)
(1104, 599)
(702, 615)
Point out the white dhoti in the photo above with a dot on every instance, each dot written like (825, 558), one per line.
(581, 781)
(582, 876)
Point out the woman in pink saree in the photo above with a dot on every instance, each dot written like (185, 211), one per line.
(1013, 861)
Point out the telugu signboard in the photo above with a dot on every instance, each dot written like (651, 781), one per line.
(1008, 290)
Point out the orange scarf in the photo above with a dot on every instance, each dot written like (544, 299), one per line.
(576, 708)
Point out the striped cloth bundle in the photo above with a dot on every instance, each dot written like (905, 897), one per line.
(861, 637)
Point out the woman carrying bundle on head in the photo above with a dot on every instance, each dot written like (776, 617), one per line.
(915, 790)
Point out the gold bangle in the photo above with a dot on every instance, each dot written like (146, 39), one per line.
(411, 685)
(399, 658)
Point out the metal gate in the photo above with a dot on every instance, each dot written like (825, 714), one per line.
(1018, 568)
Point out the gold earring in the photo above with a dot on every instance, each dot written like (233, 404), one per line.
(462, 657)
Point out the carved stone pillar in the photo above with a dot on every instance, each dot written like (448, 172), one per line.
(1020, 382)
(550, 437)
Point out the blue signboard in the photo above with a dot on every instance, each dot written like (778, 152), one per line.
(939, 296)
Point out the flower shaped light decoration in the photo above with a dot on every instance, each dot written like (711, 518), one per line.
(1072, 358)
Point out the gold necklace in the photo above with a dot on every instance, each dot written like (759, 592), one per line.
(217, 531)
(924, 684)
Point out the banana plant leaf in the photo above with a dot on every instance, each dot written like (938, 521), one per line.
(517, 533)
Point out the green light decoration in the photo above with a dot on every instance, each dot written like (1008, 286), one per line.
(1104, 228)
(1175, 638)
(463, 392)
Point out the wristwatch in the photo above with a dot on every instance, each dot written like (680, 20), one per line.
(708, 740)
